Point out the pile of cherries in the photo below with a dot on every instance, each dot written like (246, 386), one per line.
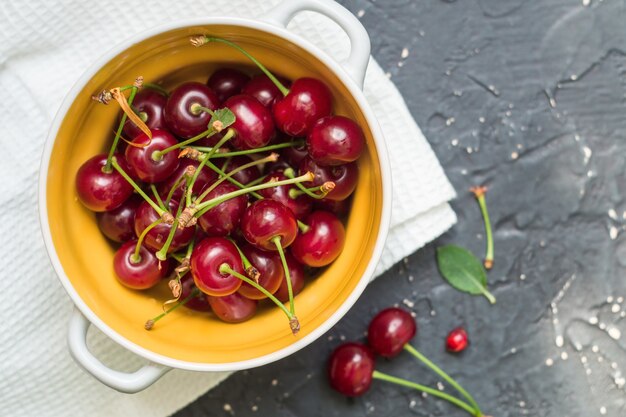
(234, 189)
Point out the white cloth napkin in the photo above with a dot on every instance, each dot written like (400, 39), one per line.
(44, 47)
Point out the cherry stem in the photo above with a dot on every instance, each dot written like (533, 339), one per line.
(290, 173)
(479, 193)
(196, 108)
(281, 253)
(423, 388)
(442, 374)
(158, 88)
(231, 180)
(257, 181)
(118, 133)
(250, 151)
(158, 155)
(119, 169)
(170, 194)
(303, 226)
(251, 271)
(136, 257)
(150, 323)
(157, 197)
(201, 40)
(226, 269)
(207, 205)
(162, 253)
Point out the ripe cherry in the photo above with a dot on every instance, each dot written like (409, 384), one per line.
(222, 219)
(390, 330)
(264, 90)
(344, 176)
(267, 221)
(339, 208)
(149, 105)
(253, 126)
(198, 303)
(206, 260)
(300, 206)
(335, 140)
(206, 176)
(457, 340)
(351, 368)
(296, 272)
(308, 100)
(145, 164)
(157, 236)
(227, 82)
(182, 113)
(294, 155)
(244, 176)
(270, 268)
(321, 239)
(139, 273)
(233, 308)
(99, 190)
(119, 224)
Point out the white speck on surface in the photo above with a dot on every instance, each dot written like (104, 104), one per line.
(613, 232)
(342, 337)
(602, 326)
(274, 382)
(513, 350)
(422, 33)
(228, 408)
(615, 308)
(400, 64)
(464, 171)
(408, 303)
(620, 299)
(519, 146)
(593, 320)
(388, 74)
(578, 346)
(454, 142)
(508, 113)
(620, 382)
(522, 277)
(583, 359)
(609, 299)
(522, 404)
(588, 371)
(481, 119)
(405, 53)
(586, 3)
(542, 243)
(514, 155)
(450, 121)
(254, 408)
(549, 362)
(602, 410)
(612, 214)
(433, 313)
(573, 77)
(614, 333)
(457, 93)
(595, 349)
(587, 154)
(552, 102)
(469, 149)
(360, 13)
(412, 404)
(600, 359)
(590, 173)
(564, 356)
(614, 365)
(440, 386)
(424, 395)
(411, 278)
(559, 341)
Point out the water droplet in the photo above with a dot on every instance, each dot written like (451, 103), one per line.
(514, 155)
(274, 382)
(614, 333)
(564, 356)
(549, 362)
(405, 53)
(522, 277)
(593, 320)
(559, 341)
(454, 142)
(603, 410)
(615, 308)
(481, 119)
(360, 13)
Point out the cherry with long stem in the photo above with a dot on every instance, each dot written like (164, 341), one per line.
(118, 133)
(281, 253)
(252, 272)
(479, 193)
(323, 189)
(136, 258)
(250, 151)
(150, 323)
(162, 253)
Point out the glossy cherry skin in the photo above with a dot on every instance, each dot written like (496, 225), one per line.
(156, 237)
(100, 191)
(335, 140)
(457, 340)
(350, 369)
(322, 243)
(294, 155)
(254, 125)
(269, 266)
(151, 103)
(345, 177)
(300, 206)
(144, 166)
(244, 176)
(198, 303)
(390, 330)
(264, 89)
(340, 208)
(222, 219)
(309, 100)
(207, 258)
(266, 219)
(296, 272)
(178, 115)
(226, 82)
(119, 224)
(233, 308)
(206, 176)
(141, 275)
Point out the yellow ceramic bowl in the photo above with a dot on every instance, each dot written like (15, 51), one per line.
(82, 256)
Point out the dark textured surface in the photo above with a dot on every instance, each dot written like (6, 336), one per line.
(528, 98)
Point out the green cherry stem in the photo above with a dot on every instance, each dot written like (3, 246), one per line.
(136, 257)
(158, 155)
(170, 194)
(479, 193)
(324, 189)
(250, 151)
(444, 375)
(423, 388)
(251, 271)
(302, 226)
(231, 180)
(118, 133)
(119, 169)
(203, 39)
(157, 87)
(281, 253)
(150, 323)
(162, 253)
(196, 108)
(293, 320)
(257, 181)
(157, 197)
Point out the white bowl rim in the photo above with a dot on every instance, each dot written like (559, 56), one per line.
(385, 170)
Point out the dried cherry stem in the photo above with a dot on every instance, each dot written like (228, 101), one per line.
(158, 155)
(150, 323)
(251, 271)
(479, 193)
(281, 253)
(135, 258)
(119, 169)
(293, 320)
(162, 253)
(203, 40)
(250, 151)
(121, 99)
(118, 133)
(157, 197)
(444, 375)
(209, 204)
(423, 388)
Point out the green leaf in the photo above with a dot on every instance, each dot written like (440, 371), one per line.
(224, 115)
(463, 271)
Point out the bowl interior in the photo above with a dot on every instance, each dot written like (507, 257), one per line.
(86, 256)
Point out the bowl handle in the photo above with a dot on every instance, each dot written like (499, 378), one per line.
(356, 64)
(121, 381)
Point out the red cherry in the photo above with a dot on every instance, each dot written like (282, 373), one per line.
(145, 166)
(294, 155)
(253, 125)
(206, 260)
(141, 275)
(322, 243)
(100, 191)
(181, 119)
(198, 303)
(457, 340)
(335, 140)
(308, 101)
(206, 176)
(340, 208)
(350, 369)
(119, 224)
(227, 82)
(300, 206)
(390, 330)
(233, 308)
(265, 220)
(246, 175)
(149, 105)
(296, 271)
(345, 177)
(156, 237)
(222, 219)
(270, 268)
(264, 90)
